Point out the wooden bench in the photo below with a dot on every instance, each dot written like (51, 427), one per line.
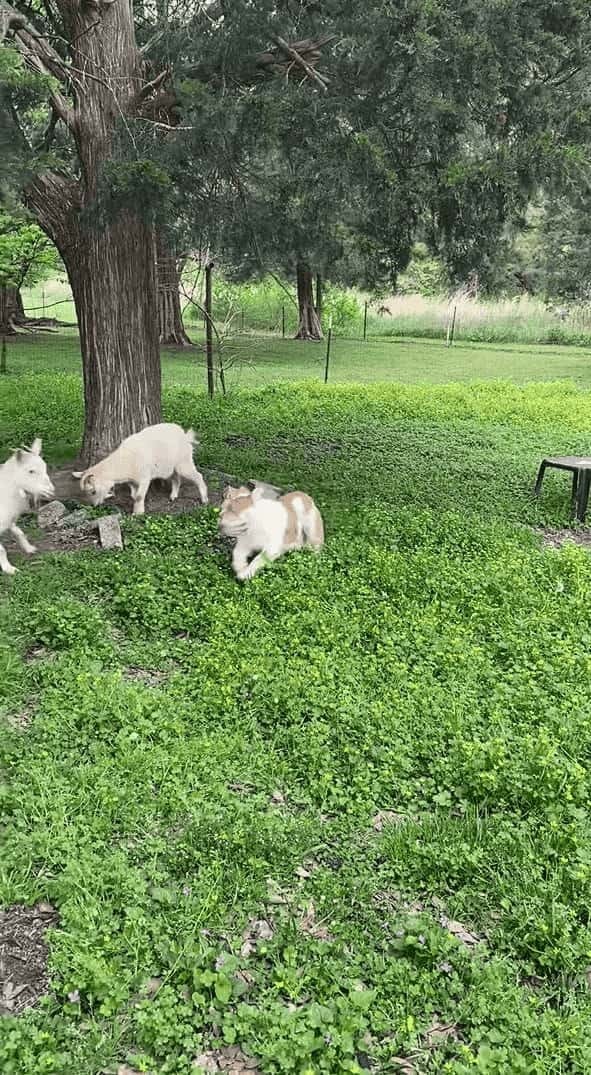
(580, 468)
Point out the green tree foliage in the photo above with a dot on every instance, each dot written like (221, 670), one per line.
(26, 254)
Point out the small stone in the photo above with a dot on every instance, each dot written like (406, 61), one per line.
(50, 514)
(109, 529)
(206, 1062)
(386, 817)
(76, 520)
(45, 908)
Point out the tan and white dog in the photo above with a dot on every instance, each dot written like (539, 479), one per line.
(267, 527)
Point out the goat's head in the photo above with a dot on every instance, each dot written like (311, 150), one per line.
(32, 474)
(97, 489)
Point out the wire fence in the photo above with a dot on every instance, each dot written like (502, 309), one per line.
(251, 347)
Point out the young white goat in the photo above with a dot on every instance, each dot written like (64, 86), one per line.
(268, 527)
(22, 476)
(160, 451)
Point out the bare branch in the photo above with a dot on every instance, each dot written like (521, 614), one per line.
(151, 87)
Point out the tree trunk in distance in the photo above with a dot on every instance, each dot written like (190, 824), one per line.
(309, 327)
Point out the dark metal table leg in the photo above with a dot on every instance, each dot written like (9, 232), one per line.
(574, 494)
(540, 478)
(583, 495)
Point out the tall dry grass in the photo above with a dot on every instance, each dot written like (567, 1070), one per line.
(519, 320)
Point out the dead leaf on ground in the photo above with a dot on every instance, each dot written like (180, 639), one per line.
(463, 935)
(277, 799)
(230, 1059)
(275, 894)
(387, 817)
(438, 1033)
(258, 929)
(395, 901)
(308, 924)
(123, 1069)
(405, 1065)
(152, 986)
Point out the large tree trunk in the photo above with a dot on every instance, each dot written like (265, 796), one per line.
(11, 309)
(171, 330)
(309, 327)
(112, 273)
(111, 267)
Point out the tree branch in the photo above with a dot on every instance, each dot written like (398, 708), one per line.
(54, 199)
(39, 55)
(305, 54)
(150, 87)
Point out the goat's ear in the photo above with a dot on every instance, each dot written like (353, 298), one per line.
(19, 455)
(77, 473)
(36, 446)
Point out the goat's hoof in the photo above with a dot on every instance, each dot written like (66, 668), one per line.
(30, 549)
(10, 569)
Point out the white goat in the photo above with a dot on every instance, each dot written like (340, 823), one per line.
(22, 476)
(160, 451)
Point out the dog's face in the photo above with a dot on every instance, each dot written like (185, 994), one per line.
(236, 510)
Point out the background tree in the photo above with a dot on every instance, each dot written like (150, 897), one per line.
(98, 79)
(26, 257)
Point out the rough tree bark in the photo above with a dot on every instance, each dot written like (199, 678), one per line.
(111, 269)
(170, 321)
(309, 327)
(11, 309)
(319, 296)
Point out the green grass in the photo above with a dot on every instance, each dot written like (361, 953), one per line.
(434, 662)
(259, 360)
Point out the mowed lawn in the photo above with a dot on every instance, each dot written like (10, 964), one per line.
(338, 818)
(251, 360)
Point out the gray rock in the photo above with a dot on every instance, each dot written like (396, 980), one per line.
(77, 520)
(50, 514)
(109, 529)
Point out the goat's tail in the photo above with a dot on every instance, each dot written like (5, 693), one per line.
(190, 435)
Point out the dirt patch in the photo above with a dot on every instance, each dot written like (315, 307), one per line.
(230, 1059)
(283, 447)
(150, 677)
(24, 717)
(240, 440)
(158, 500)
(23, 956)
(556, 538)
(77, 532)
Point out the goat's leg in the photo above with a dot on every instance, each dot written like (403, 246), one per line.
(139, 497)
(22, 540)
(175, 484)
(5, 565)
(189, 471)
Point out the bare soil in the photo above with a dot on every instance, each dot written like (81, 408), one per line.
(555, 538)
(23, 956)
(81, 538)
